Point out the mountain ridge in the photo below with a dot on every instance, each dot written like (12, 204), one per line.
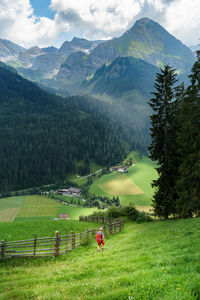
(146, 40)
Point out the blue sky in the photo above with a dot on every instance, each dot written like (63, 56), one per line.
(51, 22)
(41, 8)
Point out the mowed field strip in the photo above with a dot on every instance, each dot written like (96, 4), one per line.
(133, 187)
(25, 208)
(8, 215)
(121, 185)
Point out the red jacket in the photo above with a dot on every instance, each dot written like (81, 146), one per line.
(100, 236)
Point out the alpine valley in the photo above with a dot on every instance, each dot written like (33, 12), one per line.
(46, 135)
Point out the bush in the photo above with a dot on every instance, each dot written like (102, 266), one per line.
(125, 211)
(114, 212)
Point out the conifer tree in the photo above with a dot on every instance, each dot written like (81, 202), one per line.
(188, 185)
(163, 145)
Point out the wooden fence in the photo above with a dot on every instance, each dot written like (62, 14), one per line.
(59, 244)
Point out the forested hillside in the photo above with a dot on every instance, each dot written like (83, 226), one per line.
(42, 135)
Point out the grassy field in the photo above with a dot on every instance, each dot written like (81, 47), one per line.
(43, 228)
(132, 187)
(25, 208)
(158, 260)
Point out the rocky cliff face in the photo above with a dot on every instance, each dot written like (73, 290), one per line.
(73, 67)
(9, 49)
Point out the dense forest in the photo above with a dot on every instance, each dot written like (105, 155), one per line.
(43, 136)
(175, 146)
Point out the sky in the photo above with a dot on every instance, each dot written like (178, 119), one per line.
(51, 22)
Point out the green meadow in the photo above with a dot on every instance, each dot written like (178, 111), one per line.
(158, 260)
(133, 187)
(20, 230)
(26, 208)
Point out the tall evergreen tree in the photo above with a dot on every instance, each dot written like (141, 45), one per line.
(188, 185)
(163, 145)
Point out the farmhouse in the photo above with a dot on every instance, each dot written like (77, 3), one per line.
(123, 170)
(74, 192)
(63, 217)
(114, 168)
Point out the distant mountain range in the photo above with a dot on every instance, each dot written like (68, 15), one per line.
(79, 59)
(40, 63)
(44, 135)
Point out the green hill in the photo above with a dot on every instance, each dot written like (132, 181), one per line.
(132, 187)
(158, 260)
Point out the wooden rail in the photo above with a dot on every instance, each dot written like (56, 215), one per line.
(59, 244)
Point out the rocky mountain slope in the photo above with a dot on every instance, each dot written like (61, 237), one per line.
(146, 40)
(123, 75)
(42, 63)
(79, 59)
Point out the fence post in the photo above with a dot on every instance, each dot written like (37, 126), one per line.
(115, 227)
(118, 225)
(104, 229)
(57, 244)
(81, 237)
(72, 239)
(66, 239)
(35, 244)
(87, 235)
(3, 246)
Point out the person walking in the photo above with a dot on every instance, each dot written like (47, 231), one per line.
(100, 239)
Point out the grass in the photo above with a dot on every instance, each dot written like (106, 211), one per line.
(133, 187)
(121, 185)
(43, 228)
(158, 260)
(142, 175)
(37, 208)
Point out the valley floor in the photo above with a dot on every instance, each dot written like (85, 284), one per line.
(158, 260)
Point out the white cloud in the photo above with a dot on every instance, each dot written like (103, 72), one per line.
(95, 19)
(183, 20)
(18, 24)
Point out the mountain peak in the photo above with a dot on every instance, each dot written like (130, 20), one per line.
(145, 24)
(76, 39)
(144, 20)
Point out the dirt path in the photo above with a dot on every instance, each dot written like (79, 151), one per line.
(90, 174)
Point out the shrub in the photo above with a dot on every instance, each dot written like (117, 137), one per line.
(125, 211)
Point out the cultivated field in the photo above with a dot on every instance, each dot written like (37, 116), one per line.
(25, 208)
(132, 187)
(121, 185)
(158, 260)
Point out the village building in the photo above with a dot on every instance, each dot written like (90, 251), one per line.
(74, 192)
(123, 170)
(63, 217)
